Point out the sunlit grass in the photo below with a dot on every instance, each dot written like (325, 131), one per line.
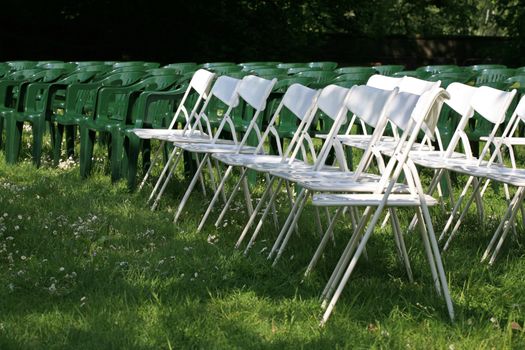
(85, 264)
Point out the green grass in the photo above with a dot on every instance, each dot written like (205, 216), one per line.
(85, 265)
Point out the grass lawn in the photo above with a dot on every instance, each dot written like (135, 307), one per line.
(85, 265)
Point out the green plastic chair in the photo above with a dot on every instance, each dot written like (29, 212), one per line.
(268, 72)
(289, 65)
(110, 118)
(326, 65)
(4, 70)
(493, 75)
(296, 70)
(271, 64)
(43, 63)
(31, 110)
(20, 65)
(520, 71)
(286, 125)
(11, 86)
(440, 68)
(388, 69)
(150, 65)
(358, 77)
(209, 65)
(480, 67)
(355, 70)
(448, 78)
(59, 65)
(517, 82)
(256, 67)
(163, 71)
(349, 80)
(225, 70)
(412, 73)
(150, 109)
(88, 63)
(321, 78)
(80, 100)
(239, 74)
(130, 64)
(183, 67)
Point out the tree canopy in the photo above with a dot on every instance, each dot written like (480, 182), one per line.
(245, 28)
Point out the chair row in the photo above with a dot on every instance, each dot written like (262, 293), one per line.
(333, 184)
(412, 105)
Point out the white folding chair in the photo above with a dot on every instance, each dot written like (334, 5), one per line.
(254, 91)
(225, 90)
(370, 104)
(331, 103)
(199, 86)
(491, 104)
(298, 100)
(423, 117)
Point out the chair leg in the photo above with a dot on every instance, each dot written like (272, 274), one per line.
(192, 184)
(428, 250)
(71, 132)
(324, 241)
(215, 197)
(164, 178)
(438, 261)
(400, 241)
(463, 214)
(13, 139)
(510, 223)
(351, 265)
(230, 198)
(38, 129)
(2, 121)
(456, 208)
(273, 195)
(131, 154)
(158, 154)
(287, 223)
(117, 154)
(344, 259)
(58, 132)
(87, 143)
(291, 227)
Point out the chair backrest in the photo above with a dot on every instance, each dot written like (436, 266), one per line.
(370, 105)
(492, 104)
(353, 70)
(299, 101)
(417, 86)
(200, 84)
(384, 82)
(324, 65)
(423, 117)
(183, 67)
(289, 65)
(459, 101)
(224, 89)
(254, 91)
(491, 75)
(19, 65)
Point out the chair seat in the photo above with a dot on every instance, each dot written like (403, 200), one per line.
(436, 159)
(369, 199)
(250, 160)
(171, 135)
(214, 148)
(334, 180)
(507, 140)
(496, 172)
